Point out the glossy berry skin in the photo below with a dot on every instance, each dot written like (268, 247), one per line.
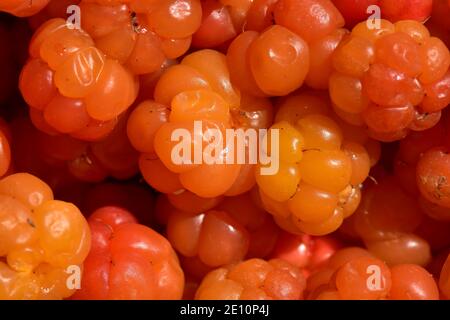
(203, 69)
(387, 238)
(391, 237)
(128, 260)
(217, 25)
(129, 31)
(109, 51)
(302, 196)
(387, 79)
(412, 282)
(321, 59)
(274, 62)
(206, 234)
(410, 151)
(304, 251)
(261, 228)
(432, 176)
(275, 59)
(260, 15)
(23, 8)
(185, 95)
(420, 168)
(253, 279)
(105, 101)
(309, 19)
(352, 279)
(77, 85)
(188, 109)
(324, 281)
(353, 273)
(235, 229)
(142, 126)
(47, 237)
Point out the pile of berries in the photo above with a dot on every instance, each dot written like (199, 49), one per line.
(225, 149)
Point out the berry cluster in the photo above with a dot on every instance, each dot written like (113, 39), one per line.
(345, 278)
(40, 238)
(321, 167)
(392, 79)
(225, 149)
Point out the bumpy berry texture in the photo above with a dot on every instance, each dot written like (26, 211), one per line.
(307, 252)
(392, 79)
(86, 78)
(321, 167)
(277, 59)
(220, 22)
(100, 116)
(128, 260)
(141, 35)
(388, 221)
(253, 279)
(273, 63)
(198, 90)
(347, 276)
(234, 229)
(72, 85)
(191, 174)
(422, 168)
(40, 238)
